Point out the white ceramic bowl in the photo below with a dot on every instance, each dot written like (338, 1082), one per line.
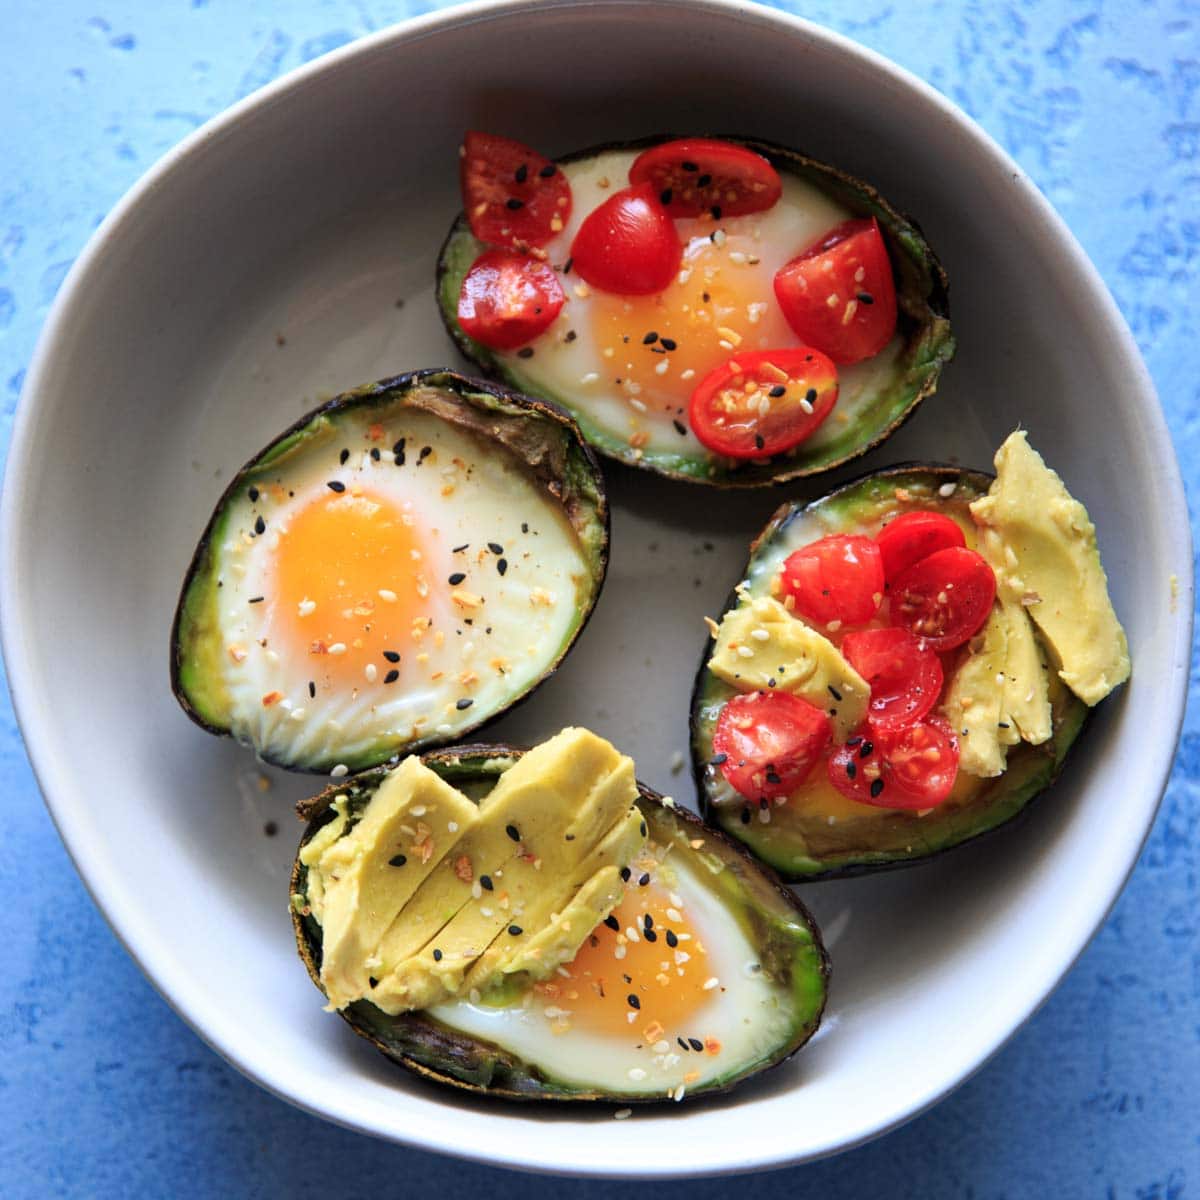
(307, 211)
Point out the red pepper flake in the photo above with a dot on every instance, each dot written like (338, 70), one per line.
(271, 698)
(463, 869)
(375, 432)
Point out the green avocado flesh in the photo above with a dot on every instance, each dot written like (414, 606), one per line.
(400, 566)
(817, 832)
(564, 364)
(789, 967)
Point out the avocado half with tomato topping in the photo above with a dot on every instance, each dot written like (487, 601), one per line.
(816, 830)
(707, 971)
(629, 368)
(397, 568)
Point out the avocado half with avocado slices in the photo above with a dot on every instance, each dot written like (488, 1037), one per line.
(688, 971)
(397, 568)
(626, 366)
(1015, 697)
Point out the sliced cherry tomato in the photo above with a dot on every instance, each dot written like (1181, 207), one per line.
(913, 536)
(839, 295)
(839, 578)
(944, 598)
(703, 175)
(793, 391)
(628, 245)
(507, 299)
(913, 767)
(513, 196)
(767, 743)
(905, 674)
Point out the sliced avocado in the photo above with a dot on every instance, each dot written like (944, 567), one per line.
(821, 834)
(870, 409)
(487, 459)
(789, 960)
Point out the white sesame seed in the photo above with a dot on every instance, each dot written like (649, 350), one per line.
(688, 374)
(745, 652)
(662, 367)
(387, 595)
(632, 934)
(590, 377)
(635, 403)
(710, 983)
(370, 672)
(679, 1091)
(947, 489)
(622, 1114)
(719, 237)
(338, 648)
(725, 345)
(338, 771)
(451, 826)
(637, 1074)
(619, 952)
(805, 406)
(677, 900)
(298, 714)
(445, 729)
(673, 914)
(306, 606)
(736, 256)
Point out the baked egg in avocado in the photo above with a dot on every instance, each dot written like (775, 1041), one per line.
(538, 925)
(397, 568)
(720, 310)
(904, 665)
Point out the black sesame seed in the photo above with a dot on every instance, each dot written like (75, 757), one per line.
(682, 1044)
(851, 770)
(642, 828)
(718, 759)
(865, 298)
(773, 777)
(1003, 725)
(644, 880)
(668, 343)
(777, 391)
(568, 265)
(375, 453)
(398, 451)
(716, 212)
(495, 547)
(672, 939)
(680, 427)
(437, 956)
(513, 832)
(391, 655)
(260, 526)
(514, 204)
(834, 693)
(525, 352)
(570, 335)
(745, 816)
(625, 873)
(650, 935)
(811, 395)
(650, 338)
(647, 921)
(867, 748)
(764, 803)
(336, 485)
(515, 930)
(270, 828)
(502, 565)
(391, 677)
(485, 882)
(524, 526)
(256, 599)
(634, 1002)
(665, 197)
(253, 494)
(876, 787)
(612, 922)
(372, 981)
(696, 1044)
(397, 860)
(758, 441)
(704, 181)
(547, 171)
(464, 703)
(455, 579)
(689, 166)
(522, 173)
(426, 451)
(343, 457)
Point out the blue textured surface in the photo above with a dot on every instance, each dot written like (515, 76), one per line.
(104, 1092)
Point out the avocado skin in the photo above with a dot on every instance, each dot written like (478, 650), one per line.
(772, 917)
(1031, 769)
(526, 425)
(922, 293)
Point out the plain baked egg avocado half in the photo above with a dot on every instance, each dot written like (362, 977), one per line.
(904, 666)
(719, 310)
(399, 567)
(537, 925)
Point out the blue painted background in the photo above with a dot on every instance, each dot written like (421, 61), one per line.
(104, 1092)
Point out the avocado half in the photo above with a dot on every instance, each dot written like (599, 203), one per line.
(923, 321)
(790, 949)
(527, 437)
(804, 846)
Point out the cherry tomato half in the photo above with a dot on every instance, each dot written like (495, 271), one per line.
(767, 743)
(513, 196)
(944, 598)
(703, 175)
(913, 767)
(507, 299)
(913, 536)
(905, 675)
(839, 295)
(793, 391)
(839, 578)
(628, 245)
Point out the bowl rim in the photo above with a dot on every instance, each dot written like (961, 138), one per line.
(57, 787)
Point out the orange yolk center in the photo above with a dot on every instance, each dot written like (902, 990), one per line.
(716, 305)
(666, 980)
(347, 578)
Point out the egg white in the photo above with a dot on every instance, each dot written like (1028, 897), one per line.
(525, 617)
(748, 1013)
(577, 369)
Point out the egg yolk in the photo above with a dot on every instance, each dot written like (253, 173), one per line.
(347, 588)
(660, 346)
(657, 975)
